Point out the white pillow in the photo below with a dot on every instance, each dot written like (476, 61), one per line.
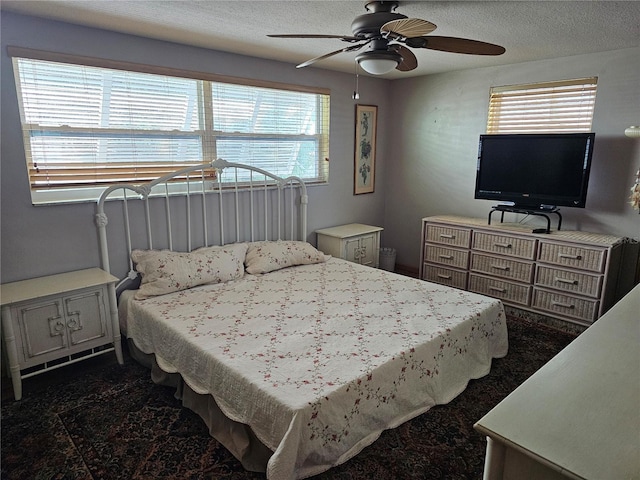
(164, 271)
(264, 257)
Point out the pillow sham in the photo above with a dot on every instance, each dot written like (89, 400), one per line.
(164, 271)
(264, 257)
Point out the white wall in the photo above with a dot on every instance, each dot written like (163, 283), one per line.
(51, 239)
(436, 122)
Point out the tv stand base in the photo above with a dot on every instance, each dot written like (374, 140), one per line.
(540, 213)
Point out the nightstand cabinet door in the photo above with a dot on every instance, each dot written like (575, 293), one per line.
(42, 328)
(60, 325)
(86, 317)
(361, 250)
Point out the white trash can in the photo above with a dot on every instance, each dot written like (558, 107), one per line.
(388, 259)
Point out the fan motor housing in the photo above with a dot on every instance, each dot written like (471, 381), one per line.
(369, 24)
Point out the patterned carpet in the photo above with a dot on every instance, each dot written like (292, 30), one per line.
(97, 421)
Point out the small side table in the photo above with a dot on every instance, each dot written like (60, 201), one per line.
(355, 242)
(57, 320)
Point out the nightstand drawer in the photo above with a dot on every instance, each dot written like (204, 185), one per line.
(502, 267)
(455, 237)
(447, 256)
(569, 281)
(507, 291)
(445, 276)
(592, 259)
(505, 245)
(567, 305)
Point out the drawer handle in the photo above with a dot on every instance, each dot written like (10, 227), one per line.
(570, 257)
(445, 235)
(74, 325)
(503, 245)
(504, 268)
(568, 281)
(446, 257)
(563, 305)
(444, 277)
(498, 289)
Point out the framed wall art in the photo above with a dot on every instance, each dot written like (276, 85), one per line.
(365, 149)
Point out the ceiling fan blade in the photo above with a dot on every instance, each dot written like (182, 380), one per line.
(331, 54)
(409, 61)
(408, 27)
(458, 45)
(346, 38)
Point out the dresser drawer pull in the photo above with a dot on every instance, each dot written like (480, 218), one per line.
(570, 257)
(568, 281)
(503, 245)
(563, 305)
(450, 237)
(504, 268)
(444, 277)
(446, 257)
(498, 289)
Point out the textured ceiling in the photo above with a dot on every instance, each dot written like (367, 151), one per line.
(529, 30)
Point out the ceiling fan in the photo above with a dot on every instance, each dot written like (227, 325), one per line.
(386, 33)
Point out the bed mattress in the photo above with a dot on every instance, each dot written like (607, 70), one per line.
(319, 359)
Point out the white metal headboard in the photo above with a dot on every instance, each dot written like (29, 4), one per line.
(161, 214)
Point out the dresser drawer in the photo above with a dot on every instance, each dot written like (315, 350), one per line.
(502, 289)
(567, 305)
(569, 281)
(584, 258)
(447, 256)
(445, 276)
(502, 267)
(505, 245)
(455, 237)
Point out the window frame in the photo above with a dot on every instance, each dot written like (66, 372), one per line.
(208, 136)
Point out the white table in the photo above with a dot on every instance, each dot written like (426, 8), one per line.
(52, 321)
(579, 415)
(355, 242)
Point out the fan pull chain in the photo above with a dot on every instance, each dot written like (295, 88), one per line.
(356, 92)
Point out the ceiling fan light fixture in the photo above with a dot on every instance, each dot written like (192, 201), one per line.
(378, 62)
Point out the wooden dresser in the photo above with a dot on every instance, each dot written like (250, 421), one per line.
(568, 275)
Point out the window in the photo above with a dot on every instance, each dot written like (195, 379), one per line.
(88, 126)
(564, 106)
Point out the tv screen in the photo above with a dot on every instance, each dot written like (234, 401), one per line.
(535, 171)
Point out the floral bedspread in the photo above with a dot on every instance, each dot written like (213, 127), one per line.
(320, 359)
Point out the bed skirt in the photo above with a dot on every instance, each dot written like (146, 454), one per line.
(236, 437)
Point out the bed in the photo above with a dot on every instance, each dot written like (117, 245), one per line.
(295, 360)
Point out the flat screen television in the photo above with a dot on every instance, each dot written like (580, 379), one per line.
(535, 171)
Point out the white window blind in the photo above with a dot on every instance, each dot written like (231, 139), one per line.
(563, 106)
(275, 130)
(86, 127)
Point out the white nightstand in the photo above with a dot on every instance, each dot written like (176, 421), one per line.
(52, 321)
(354, 242)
